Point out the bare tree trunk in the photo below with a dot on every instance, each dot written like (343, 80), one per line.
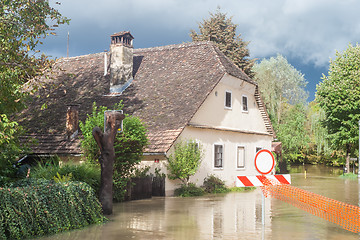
(105, 142)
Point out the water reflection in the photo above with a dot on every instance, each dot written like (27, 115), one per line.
(228, 216)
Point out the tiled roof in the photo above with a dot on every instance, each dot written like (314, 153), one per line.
(170, 83)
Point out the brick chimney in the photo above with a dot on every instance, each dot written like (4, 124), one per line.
(72, 121)
(121, 61)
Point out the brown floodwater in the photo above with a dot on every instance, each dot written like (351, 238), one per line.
(228, 216)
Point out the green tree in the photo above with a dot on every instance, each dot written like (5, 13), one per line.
(185, 161)
(292, 133)
(222, 31)
(338, 95)
(129, 145)
(318, 132)
(280, 84)
(23, 25)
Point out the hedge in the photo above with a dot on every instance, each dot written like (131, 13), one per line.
(35, 207)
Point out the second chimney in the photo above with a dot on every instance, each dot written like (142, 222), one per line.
(72, 121)
(121, 61)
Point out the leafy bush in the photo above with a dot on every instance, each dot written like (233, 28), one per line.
(213, 184)
(185, 160)
(85, 172)
(10, 148)
(35, 207)
(189, 190)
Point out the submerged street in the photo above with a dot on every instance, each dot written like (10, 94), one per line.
(228, 216)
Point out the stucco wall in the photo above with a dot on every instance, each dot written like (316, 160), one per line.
(214, 113)
(230, 141)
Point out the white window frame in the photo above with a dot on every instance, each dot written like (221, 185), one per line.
(226, 92)
(222, 157)
(242, 104)
(237, 157)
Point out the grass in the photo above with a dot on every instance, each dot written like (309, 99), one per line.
(241, 189)
(352, 176)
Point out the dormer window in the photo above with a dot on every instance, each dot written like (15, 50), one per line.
(245, 104)
(228, 100)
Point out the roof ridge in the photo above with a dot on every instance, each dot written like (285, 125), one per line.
(64, 59)
(173, 46)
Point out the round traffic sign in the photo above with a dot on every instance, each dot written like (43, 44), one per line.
(264, 161)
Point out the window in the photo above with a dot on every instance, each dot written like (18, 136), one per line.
(228, 99)
(240, 157)
(218, 156)
(245, 103)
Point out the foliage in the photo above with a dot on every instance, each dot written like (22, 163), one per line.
(38, 207)
(222, 31)
(21, 33)
(185, 161)
(318, 131)
(213, 184)
(292, 133)
(10, 149)
(280, 84)
(85, 172)
(129, 145)
(189, 190)
(88, 144)
(338, 95)
(23, 24)
(62, 178)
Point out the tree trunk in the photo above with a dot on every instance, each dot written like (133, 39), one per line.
(105, 142)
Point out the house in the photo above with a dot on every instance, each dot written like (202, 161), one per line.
(184, 91)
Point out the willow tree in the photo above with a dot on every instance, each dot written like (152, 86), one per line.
(222, 31)
(282, 88)
(338, 95)
(280, 84)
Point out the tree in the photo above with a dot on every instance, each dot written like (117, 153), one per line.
(292, 132)
(23, 25)
(105, 141)
(282, 88)
(128, 146)
(280, 84)
(185, 161)
(222, 31)
(338, 95)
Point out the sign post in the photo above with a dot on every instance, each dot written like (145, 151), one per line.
(264, 164)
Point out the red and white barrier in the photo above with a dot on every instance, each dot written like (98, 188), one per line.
(262, 180)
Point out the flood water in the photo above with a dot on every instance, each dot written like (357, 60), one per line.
(228, 216)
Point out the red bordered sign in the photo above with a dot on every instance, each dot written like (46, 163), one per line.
(264, 161)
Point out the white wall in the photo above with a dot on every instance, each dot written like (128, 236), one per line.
(214, 113)
(215, 124)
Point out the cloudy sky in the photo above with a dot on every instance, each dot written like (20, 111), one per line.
(306, 32)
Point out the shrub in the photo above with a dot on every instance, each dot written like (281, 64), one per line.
(185, 160)
(189, 190)
(35, 207)
(213, 184)
(85, 172)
